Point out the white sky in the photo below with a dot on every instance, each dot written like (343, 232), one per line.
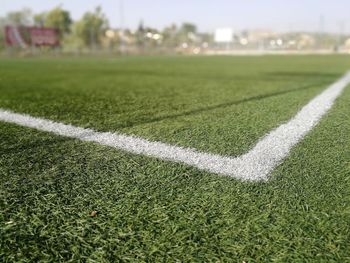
(280, 15)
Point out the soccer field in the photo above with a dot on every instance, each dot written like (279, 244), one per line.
(64, 199)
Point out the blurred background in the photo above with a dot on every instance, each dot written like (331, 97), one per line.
(194, 27)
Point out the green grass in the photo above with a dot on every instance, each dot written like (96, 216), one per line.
(151, 210)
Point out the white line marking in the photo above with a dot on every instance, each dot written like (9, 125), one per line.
(253, 166)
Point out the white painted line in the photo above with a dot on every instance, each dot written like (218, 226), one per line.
(253, 166)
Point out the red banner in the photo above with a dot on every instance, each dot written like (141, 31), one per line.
(22, 36)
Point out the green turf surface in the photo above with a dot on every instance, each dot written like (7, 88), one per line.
(151, 210)
(217, 104)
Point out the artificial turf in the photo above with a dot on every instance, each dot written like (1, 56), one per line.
(151, 210)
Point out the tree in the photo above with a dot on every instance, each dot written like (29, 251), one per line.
(16, 18)
(22, 17)
(2, 37)
(91, 27)
(56, 18)
(187, 28)
(169, 36)
(187, 33)
(140, 35)
(60, 19)
(39, 19)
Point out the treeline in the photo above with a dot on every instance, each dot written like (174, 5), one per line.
(93, 31)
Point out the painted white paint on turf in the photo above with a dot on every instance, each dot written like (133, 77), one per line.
(253, 166)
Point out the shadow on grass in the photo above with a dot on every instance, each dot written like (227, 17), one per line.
(38, 143)
(219, 106)
(303, 75)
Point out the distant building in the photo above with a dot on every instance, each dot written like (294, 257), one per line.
(347, 44)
